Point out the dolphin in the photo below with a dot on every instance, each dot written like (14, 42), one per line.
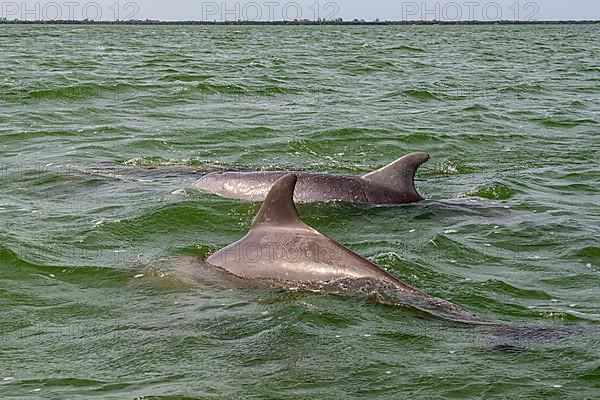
(282, 250)
(392, 184)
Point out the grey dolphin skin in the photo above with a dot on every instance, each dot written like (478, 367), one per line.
(392, 184)
(281, 249)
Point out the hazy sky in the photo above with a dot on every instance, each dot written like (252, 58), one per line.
(310, 9)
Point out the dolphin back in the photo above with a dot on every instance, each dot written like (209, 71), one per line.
(392, 184)
(281, 246)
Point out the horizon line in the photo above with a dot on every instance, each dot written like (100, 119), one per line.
(5, 21)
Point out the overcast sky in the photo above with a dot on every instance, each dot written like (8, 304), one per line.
(297, 9)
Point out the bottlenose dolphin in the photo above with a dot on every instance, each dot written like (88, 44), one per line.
(392, 184)
(282, 250)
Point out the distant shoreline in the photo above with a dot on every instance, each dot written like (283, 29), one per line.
(300, 22)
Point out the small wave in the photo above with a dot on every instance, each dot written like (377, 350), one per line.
(345, 134)
(7, 256)
(185, 78)
(146, 161)
(589, 68)
(408, 48)
(501, 287)
(421, 138)
(564, 123)
(42, 261)
(514, 337)
(495, 191)
(361, 68)
(523, 88)
(577, 104)
(590, 253)
(233, 90)
(450, 166)
(221, 88)
(476, 108)
(275, 90)
(418, 64)
(420, 94)
(366, 64)
(76, 92)
(576, 188)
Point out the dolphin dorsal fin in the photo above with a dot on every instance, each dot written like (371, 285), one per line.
(278, 207)
(400, 173)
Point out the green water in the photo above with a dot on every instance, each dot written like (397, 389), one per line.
(510, 116)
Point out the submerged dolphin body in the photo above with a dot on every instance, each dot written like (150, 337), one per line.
(392, 184)
(282, 250)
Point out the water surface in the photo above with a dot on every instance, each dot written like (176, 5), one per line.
(100, 124)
